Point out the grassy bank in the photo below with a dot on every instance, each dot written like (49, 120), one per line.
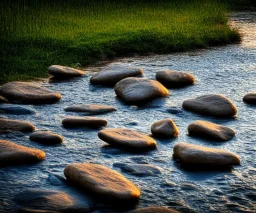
(37, 33)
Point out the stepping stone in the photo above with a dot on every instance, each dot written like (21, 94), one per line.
(16, 110)
(14, 154)
(154, 210)
(8, 125)
(174, 79)
(85, 121)
(46, 137)
(114, 74)
(250, 98)
(51, 200)
(142, 170)
(28, 93)
(102, 181)
(190, 154)
(3, 99)
(127, 139)
(165, 128)
(139, 90)
(213, 105)
(91, 109)
(58, 71)
(211, 131)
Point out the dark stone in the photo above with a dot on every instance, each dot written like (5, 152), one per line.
(86, 121)
(16, 110)
(8, 125)
(250, 98)
(91, 109)
(46, 137)
(165, 128)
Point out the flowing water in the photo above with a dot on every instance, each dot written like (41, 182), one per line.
(229, 70)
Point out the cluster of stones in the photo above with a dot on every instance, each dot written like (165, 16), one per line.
(97, 179)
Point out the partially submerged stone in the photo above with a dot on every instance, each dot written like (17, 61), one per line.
(190, 154)
(174, 79)
(250, 98)
(214, 105)
(64, 72)
(102, 181)
(14, 154)
(28, 93)
(46, 137)
(85, 121)
(91, 109)
(127, 139)
(16, 110)
(139, 90)
(152, 209)
(114, 74)
(165, 128)
(210, 130)
(9, 125)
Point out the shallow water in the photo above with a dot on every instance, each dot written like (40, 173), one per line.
(229, 70)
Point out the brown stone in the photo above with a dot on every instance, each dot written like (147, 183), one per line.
(250, 98)
(64, 72)
(85, 121)
(165, 128)
(91, 109)
(46, 137)
(9, 125)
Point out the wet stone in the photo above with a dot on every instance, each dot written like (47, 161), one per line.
(154, 210)
(85, 121)
(250, 98)
(91, 109)
(165, 128)
(64, 72)
(9, 125)
(16, 110)
(46, 137)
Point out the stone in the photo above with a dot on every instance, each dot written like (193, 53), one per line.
(46, 137)
(139, 90)
(250, 98)
(9, 125)
(156, 209)
(91, 109)
(127, 139)
(213, 105)
(165, 128)
(102, 181)
(27, 210)
(85, 121)
(3, 99)
(190, 154)
(16, 110)
(28, 93)
(58, 71)
(210, 131)
(112, 75)
(142, 170)
(174, 79)
(14, 154)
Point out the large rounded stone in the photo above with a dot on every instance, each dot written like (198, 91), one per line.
(28, 93)
(165, 128)
(114, 74)
(214, 105)
(91, 109)
(126, 138)
(8, 125)
(16, 110)
(154, 210)
(85, 121)
(3, 99)
(250, 98)
(102, 181)
(174, 79)
(191, 154)
(14, 154)
(139, 90)
(64, 72)
(45, 137)
(210, 130)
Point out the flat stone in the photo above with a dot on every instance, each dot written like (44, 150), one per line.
(211, 131)
(126, 138)
(156, 209)
(3, 99)
(250, 98)
(174, 79)
(91, 109)
(213, 105)
(102, 181)
(16, 110)
(139, 90)
(14, 154)
(9, 125)
(85, 121)
(114, 74)
(165, 128)
(28, 93)
(46, 137)
(191, 154)
(142, 170)
(64, 72)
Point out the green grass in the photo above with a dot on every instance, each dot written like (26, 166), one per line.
(38, 33)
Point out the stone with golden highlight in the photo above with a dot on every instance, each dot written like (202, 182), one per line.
(153, 209)
(165, 128)
(9, 125)
(58, 71)
(46, 137)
